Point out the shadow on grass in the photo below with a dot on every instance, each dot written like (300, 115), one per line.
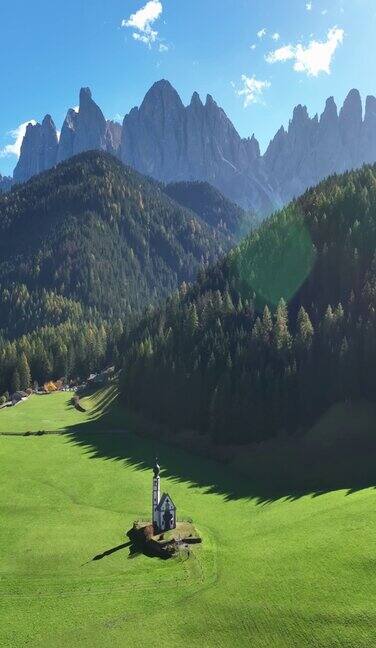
(111, 551)
(279, 468)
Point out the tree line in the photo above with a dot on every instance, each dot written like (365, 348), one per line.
(71, 350)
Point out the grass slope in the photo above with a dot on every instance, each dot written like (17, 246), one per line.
(289, 572)
(55, 412)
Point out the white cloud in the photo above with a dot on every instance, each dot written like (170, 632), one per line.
(276, 36)
(313, 59)
(145, 16)
(17, 135)
(148, 38)
(324, 12)
(253, 46)
(309, 6)
(252, 90)
(142, 21)
(261, 33)
(163, 48)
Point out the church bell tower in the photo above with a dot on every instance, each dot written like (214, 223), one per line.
(156, 493)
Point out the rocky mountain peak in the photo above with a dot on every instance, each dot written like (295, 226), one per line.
(275, 146)
(254, 146)
(161, 93)
(370, 109)
(196, 101)
(29, 160)
(300, 114)
(352, 107)
(210, 101)
(48, 143)
(350, 123)
(85, 96)
(48, 123)
(67, 135)
(368, 132)
(91, 125)
(330, 113)
(38, 150)
(300, 127)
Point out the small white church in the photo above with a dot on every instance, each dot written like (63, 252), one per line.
(163, 508)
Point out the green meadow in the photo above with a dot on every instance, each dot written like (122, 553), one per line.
(281, 571)
(55, 412)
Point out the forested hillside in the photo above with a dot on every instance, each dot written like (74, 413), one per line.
(213, 207)
(94, 230)
(271, 336)
(85, 246)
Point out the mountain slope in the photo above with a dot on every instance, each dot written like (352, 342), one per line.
(84, 248)
(212, 206)
(97, 232)
(274, 334)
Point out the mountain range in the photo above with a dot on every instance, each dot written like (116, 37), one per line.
(171, 142)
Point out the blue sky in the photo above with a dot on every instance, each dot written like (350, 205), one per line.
(258, 58)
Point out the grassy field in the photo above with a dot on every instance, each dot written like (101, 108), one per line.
(55, 412)
(285, 572)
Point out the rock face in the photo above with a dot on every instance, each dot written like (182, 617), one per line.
(368, 137)
(67, 136)
(90, 133)
(84, 130)
(113, 137)
(350, 127)
(173, 143)
(314, 148)
(38, 150)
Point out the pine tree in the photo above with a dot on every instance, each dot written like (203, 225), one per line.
(328, 321)
(304, 332)
(15, 384)
(257, 331)
(192, 319)
(282, 337)
(24, 372)
(267, 325)
(228, 303)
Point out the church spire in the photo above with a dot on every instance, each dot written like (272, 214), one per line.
(156, 493)
(156, 468)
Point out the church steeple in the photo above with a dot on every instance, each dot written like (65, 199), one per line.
(156, 496)
(157, 468)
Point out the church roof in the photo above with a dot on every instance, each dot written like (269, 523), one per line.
(162, 500)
